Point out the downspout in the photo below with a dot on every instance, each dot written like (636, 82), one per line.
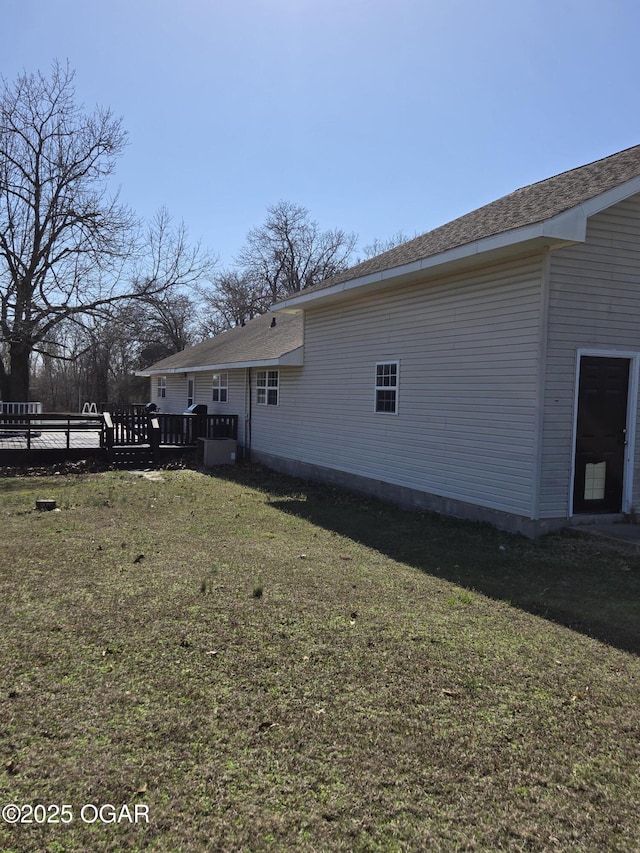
(543, 331)
(247, 413)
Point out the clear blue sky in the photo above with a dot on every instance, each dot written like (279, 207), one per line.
(376, 115)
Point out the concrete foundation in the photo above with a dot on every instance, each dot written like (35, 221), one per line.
(412, 499)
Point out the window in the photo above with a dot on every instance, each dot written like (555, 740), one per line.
(387, 387)
(267, 387)
(162, 386)
(190, 386)
(220, 387)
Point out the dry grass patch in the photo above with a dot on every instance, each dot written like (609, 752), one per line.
(382, 691)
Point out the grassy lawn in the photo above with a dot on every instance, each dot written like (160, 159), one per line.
(258, 664)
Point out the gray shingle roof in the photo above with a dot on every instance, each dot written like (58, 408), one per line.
(526, 206)
(257, 341)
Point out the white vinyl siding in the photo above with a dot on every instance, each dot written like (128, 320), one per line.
(236, 394)
(276, 429)
(594, 304)
(466, 428)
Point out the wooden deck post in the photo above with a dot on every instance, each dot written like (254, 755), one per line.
(108, 430)
(153, 431)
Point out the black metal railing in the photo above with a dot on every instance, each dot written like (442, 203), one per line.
(32, 426)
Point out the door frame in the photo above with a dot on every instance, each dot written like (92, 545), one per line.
(632, 413)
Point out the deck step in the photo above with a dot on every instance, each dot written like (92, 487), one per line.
(132, 457)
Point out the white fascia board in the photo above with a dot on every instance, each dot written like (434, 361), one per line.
(569, 226)
(563, 228)
(295, 358)
(611, 197)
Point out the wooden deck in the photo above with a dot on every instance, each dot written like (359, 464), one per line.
(51, 440)
(27, 439)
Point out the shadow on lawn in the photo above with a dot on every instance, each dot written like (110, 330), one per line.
(585, 584)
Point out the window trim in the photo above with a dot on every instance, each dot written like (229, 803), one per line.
(222, 387)
(263, 387)
(395, 387)
(161, 388)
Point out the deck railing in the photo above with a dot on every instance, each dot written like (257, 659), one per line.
(32, 426)
(162, 429)
(185, 430)
(120, 429)
(20, 408)
(127, 428)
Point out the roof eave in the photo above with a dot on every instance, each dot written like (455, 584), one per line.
(294, 358)
(570, 226)
(546, 233)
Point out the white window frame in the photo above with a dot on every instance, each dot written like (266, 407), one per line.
(383, 387)
(220, 384)
(161, 387)
(268, 387)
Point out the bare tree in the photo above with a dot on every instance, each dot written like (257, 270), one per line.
(64, 242)
(57, 374)
(378, 246)
(94, 358)
(168, 261)
(233, 299)
(290, 252)
(164, 325)
(168, 278)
